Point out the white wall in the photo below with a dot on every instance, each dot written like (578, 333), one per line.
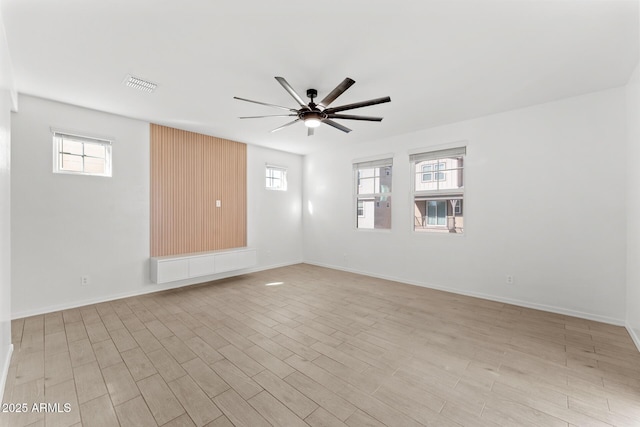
(8, 101)
(66, 226)
(633, 207)
(274, 222)
(545, 202)
(5, 237)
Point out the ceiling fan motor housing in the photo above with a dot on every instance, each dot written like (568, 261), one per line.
(312, 93)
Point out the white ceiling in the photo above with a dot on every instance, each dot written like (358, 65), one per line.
(439, 61)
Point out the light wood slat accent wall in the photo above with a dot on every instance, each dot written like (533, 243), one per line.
(189, 172)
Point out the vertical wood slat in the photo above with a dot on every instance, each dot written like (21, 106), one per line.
(189, 172)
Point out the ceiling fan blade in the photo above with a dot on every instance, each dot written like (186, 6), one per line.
(309, 131)
(261, 117)
(336, 125)
(268, 105)
(292, 92)
(352, 117)
(285, 125)
(339, 90)
(358, 105)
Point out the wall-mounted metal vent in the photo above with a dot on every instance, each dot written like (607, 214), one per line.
(138, 83)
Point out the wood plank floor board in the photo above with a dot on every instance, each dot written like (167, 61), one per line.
(146, 340)
(120, 383)
(238, 380)
(166, 365)
(324, 348)
(238, 411)
(368, 380)
(57, 369)
(75, 331)
(269, 361)
(274, 411)
(98, 412)
(161, 401)
(138, 363)
(183, 420)
(323, 418)
(135, 413)
(361, 419)
(238, 357)
(106, 353)
(300, 404)
(81, 352)
(60, 394)
(328, 400)
(122, 339)
(270, 346)
(209, 381)
(89, 382)
(199, 407)
(97, 332)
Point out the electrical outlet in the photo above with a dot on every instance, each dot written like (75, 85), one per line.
(84, 280)
(509, 280)
(218, 203)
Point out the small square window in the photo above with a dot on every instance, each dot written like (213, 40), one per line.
(82, 155)
(276, 178)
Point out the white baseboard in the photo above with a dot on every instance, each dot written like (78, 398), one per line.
(634, 336)
(5, 371)
(148, 290)
(520, 303)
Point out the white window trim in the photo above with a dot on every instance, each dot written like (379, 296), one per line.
(282, 169)
(57, 137)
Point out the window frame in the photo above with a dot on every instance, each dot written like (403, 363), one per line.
(436, 154)
(283, 179)
(58, 139)
(358, 165)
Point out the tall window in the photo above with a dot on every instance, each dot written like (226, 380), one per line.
(373, 194)
(276, 178)
(438, 190)
(81, 155)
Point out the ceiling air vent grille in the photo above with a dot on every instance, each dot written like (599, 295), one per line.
(140, 84)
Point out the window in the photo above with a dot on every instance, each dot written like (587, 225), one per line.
(276, 178)
(431, 172)
(82, 155)
(373, 194)
(438, 191)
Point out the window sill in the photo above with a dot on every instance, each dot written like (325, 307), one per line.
(372, 230)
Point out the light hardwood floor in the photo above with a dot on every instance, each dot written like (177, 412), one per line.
(324, 348)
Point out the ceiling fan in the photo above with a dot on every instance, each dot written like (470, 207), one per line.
(313, 115)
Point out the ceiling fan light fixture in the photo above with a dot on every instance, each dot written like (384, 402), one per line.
(312, 123)
(312, 119)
